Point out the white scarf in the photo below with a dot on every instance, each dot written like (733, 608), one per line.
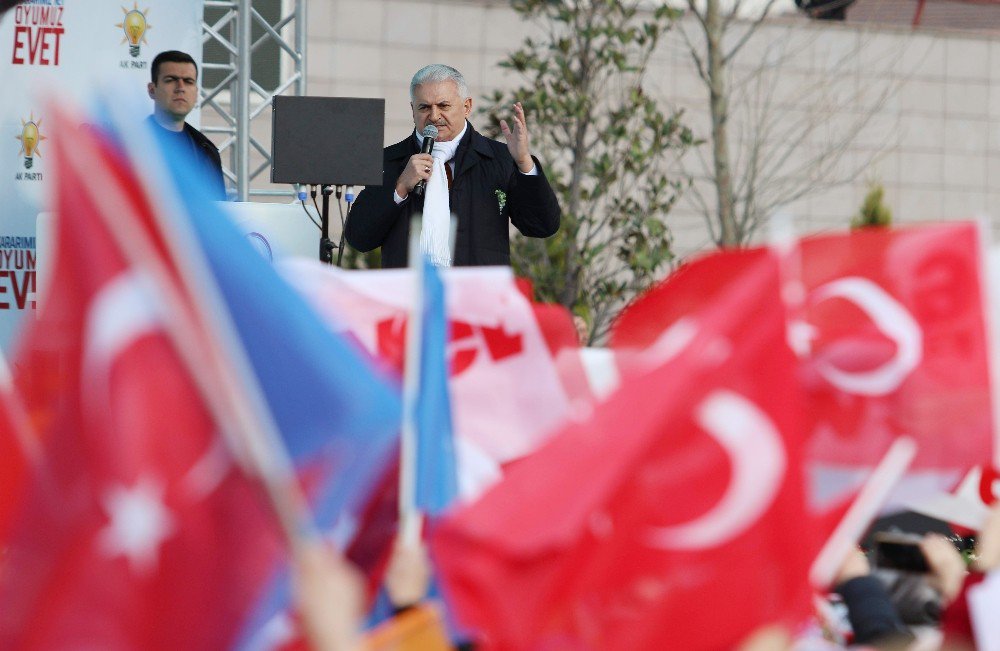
(435, 232)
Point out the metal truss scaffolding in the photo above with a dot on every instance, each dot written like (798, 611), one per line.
(235, 97)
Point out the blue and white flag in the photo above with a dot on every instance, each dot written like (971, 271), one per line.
(437, 479)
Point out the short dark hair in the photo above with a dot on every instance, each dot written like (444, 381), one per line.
(171, 56)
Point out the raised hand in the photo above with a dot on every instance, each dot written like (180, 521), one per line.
(517, 139)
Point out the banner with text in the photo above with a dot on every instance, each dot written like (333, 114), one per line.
(63, 49)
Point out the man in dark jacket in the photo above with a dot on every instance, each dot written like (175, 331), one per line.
(174, 91)
(488, 186)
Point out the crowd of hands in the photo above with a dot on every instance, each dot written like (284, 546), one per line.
(330, 592)
(911, 610)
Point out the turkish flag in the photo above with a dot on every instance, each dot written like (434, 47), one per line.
(138, 530)
(892, 334)
(18, 446)
(647, 325)
(638, 528)
(889, 329)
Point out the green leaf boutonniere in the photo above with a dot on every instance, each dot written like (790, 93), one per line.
(501, 200)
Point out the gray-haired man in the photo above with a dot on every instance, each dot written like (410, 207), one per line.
(486, 184)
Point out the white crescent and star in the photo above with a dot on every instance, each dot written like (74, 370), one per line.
(890, 317)
(758, 460)
(138, 524)
(122, 312)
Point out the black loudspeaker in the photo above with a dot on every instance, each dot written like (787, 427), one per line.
(825, 9)
(327, 140)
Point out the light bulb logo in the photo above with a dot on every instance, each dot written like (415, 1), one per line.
(135, 27)
(30, 136)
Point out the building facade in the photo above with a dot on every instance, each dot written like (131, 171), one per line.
(831, 107)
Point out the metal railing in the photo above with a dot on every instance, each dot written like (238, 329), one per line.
(236, 98)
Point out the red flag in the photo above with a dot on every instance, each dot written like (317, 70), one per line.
(640, 528)
(659, 324)
(685, 293)
(18, 450)
(889, 328)
(140, 531)
(893, 340)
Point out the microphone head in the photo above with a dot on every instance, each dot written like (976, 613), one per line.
(430, 131)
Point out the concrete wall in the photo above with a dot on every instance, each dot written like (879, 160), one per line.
(921, 107)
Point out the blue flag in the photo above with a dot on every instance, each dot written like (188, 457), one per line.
(436, 473)
(436, 482)
(328, 402)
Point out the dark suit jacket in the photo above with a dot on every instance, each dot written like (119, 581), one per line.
(482, 166)
(213, 159)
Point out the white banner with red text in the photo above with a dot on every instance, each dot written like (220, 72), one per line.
(60, 50)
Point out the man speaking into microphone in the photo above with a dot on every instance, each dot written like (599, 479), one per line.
(446, 167)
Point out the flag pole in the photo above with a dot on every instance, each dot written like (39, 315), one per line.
(989, 274)
(410, 520)
(862, 511)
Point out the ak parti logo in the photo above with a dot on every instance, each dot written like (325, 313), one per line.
(135, 26)
(30, 137)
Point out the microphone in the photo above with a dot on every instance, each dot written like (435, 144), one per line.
(429, 133)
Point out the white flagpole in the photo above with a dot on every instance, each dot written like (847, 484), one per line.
(410, 520)
(989, 274)
(861, 513)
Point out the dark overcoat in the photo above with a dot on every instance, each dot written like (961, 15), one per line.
(482, 167)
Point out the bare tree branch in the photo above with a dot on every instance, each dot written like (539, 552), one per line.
(786, 138)
(693, 8)
(605, 144)
(750, 31)
(699, 64)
